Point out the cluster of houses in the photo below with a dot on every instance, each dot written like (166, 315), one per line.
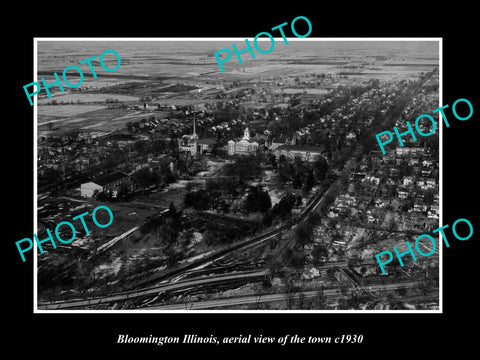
(417, 193)
(68, 152)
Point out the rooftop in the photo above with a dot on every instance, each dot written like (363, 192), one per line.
(109, 178)
(318, 149)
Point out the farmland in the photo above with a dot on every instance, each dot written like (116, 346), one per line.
(82, 98)
(63, 118)
(64, 111)
(302, 90)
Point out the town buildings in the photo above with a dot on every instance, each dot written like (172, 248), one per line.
(192, 145)
(109, 182)
(304, 152)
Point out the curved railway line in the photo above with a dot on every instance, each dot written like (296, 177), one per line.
(184, 268)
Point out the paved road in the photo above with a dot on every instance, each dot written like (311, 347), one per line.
(112, 242)
(148, 205)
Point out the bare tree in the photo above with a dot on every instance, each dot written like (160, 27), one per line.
(291, 290)
(320, 300)
(402, 291)
(301, 301)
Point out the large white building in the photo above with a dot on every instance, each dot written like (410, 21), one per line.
(306, 153)
(246, 146)
(89, 188)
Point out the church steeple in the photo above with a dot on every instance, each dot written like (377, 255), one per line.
(246, 134)
(194, 135)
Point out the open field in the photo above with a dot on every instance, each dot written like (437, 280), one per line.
(96, 117)
(64, 111)
(86, 98)
(174, 193)
(152, 89)
(264, 68)
(300, 91)
(125, 215)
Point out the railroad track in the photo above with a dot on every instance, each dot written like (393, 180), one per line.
(155, 290)
(255, 299)
(239, 277)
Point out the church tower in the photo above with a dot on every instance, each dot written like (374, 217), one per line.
(194, 135)
(246, 134)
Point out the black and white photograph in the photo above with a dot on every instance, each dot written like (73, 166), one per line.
(257, 187)
(226, 179)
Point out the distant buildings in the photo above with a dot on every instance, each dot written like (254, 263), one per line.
(109, 182)
(408, 151)
(280, 140)
(304, 152)
(403, 193)
(194, 146)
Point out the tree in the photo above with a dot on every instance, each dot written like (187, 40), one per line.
(402, 291)
(188, 235)
(301, 301)
(273, 161)
(123, 193)
(284, 207)
(284, 173)
(102, 196)
(159, 146)
(297, 181)
(319, 253)
(273, 269)
(304, 234)
(425, 287)
(258, 200)
(172, 210)
(274, 241)
(309, 182)
(314, 219)
(141, 146)
(320, 300)
(428, 197)
(291, 290)
(331, 272)
(244, 168)
(172, 256)
(392, 224)
(298, 201)
(50, 175)
(144, 177)
(353, 261)
(199, 200)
